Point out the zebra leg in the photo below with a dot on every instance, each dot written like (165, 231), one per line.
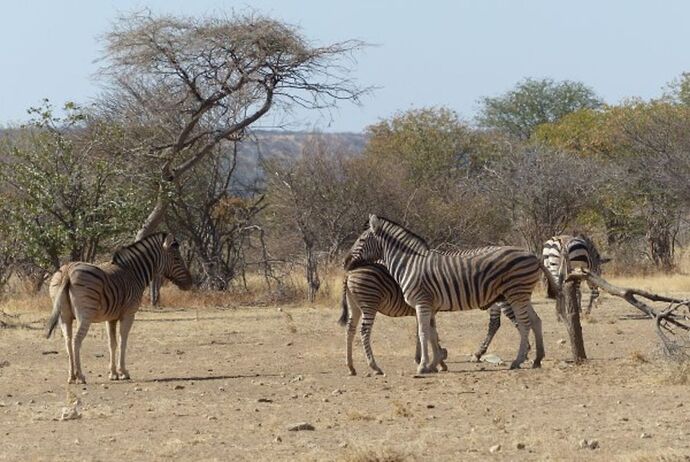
(66, 326)
(535, 321)
(125, 326)
(368, 317)
(508, 311)
(494, 325)
(424, 316)
(355, 314)
(111, 327)
(83, 329)
(441, 353)
(523, 321)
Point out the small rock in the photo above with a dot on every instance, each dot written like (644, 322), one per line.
(178, 387)
(49, 352)
(561, 341)
(520, 445)
(297, 378)
(18, 403)
(31, 401)
(137, 389)
(645, 435)
(430, 406)
(212, 417)
(288, 344)
(277, 439)
(221, 389)
(337, 392)
(69, 413)
(495, 448)
(302, 426)
(492, 359)
(342, 445)
(264, 400)
(325, 400)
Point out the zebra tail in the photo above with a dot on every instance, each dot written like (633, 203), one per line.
(344, 305)
(552, 286)
(61, 296)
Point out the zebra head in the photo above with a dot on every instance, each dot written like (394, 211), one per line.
(172, 265)
(367, 248)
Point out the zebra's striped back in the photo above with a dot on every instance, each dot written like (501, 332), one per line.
(581, 253)
(373, 286)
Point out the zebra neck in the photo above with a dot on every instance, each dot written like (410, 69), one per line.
(398, 264)
(142, 259)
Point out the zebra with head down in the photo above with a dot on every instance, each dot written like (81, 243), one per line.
(111, 292)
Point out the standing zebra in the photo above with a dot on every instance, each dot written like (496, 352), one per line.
(431, 281)
(111, 292)
(369, 289)
(581, 253)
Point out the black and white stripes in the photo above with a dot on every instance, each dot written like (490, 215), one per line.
(432, 281)
(111, 292)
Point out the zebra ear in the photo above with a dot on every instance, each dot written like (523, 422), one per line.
(169, 241)
(373, 222)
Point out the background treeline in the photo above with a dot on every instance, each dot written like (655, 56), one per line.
(172, 144)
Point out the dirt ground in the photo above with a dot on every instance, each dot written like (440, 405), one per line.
(225, 384)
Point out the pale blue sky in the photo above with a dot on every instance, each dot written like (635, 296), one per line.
(442, 53)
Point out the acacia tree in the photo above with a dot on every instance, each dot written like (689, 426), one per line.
(534, 102)
(183, 85)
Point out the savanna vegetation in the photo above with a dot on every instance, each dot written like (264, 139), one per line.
(165, 147)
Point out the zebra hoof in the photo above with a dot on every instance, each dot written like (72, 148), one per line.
(71, 380)
(426, 370)
(81, 380)
(444, 368)
(352, 372)
(123, 376)
(536, 364)
(378, 372)
(515, 365)
(113, 376)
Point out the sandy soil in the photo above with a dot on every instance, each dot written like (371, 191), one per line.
(225, 384)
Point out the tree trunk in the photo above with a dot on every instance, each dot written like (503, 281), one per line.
(156, 216)
(313, 281)
(568, 306)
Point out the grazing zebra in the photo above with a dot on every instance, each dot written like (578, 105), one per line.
(111, 292)
(369, 289)
(582, 253)
(431, 281)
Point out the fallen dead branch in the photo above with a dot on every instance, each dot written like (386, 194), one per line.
(668, 322)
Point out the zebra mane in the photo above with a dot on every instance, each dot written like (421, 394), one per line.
(413, 242)
(125, 255)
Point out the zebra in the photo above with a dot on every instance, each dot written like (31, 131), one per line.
(369, 289)
(582, 253)
(111, 292)
(433, 280)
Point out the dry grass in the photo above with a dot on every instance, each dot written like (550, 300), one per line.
(374, 455)
(660, 283)
(638, 357)
(677, 373)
